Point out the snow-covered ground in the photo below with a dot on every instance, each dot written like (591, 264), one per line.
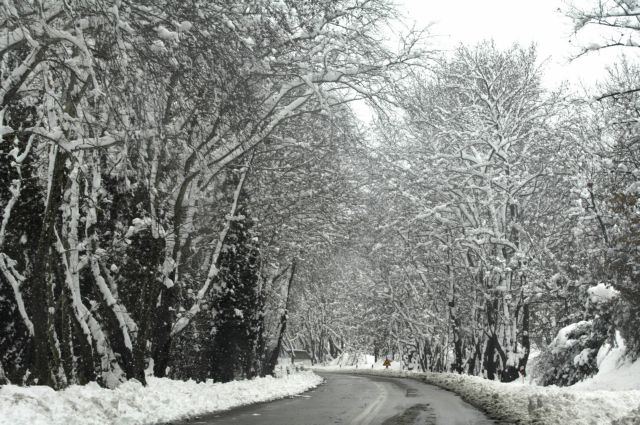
(610, 397)
(162, 400)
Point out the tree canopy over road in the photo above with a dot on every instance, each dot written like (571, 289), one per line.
(185, 189)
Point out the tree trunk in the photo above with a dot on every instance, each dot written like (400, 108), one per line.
(526, 342)
(456, 366)
(43, 367)
(334, 351)
(3, 377)
(152, 250)
(273, 360)
(489, 363)
(162, 338)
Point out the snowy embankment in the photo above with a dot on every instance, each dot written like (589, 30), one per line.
(610, 397)
(162, 400)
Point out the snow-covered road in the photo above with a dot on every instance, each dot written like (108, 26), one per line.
(358, 400)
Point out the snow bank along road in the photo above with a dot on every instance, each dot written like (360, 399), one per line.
(357, 400)
(132, 404)
(607, 399)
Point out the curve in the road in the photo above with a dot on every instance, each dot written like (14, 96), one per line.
(357, 400)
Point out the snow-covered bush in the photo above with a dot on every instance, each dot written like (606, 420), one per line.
(627, 321)
(571, 356)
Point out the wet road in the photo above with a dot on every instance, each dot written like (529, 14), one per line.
(357, 400)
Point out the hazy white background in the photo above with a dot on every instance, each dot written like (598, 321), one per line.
(522, 21)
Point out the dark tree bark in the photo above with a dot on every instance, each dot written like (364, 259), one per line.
(492, 346)
(145, 277)
(162, 330)
(526, 342)
(457, 340)
(273, 360)
(43, 367)
(3, 377)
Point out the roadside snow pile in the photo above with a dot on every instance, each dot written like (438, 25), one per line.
(522, 404)
(615, 372)
(529, 404)
(162, 400)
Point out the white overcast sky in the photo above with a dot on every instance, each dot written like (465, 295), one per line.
(509, 21)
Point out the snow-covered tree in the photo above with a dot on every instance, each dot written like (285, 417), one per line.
(137, 115)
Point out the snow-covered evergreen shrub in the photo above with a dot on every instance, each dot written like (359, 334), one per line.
(225, 342)
(235, 342)
(571, 356)
(627, 321)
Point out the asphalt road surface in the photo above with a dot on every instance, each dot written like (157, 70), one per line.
(357, 400)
